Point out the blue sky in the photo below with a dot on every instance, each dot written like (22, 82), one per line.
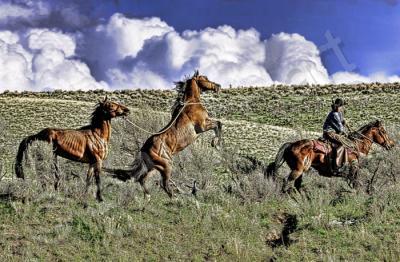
(124, 44)
(368, 29)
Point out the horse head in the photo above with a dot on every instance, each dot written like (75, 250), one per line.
(112, 109)
(204, 83)
(380, 136)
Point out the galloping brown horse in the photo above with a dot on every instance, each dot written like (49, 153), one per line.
(189, 120)
(89, 144)
(303, 154)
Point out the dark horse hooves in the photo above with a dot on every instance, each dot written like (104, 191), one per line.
(99, 198)
(289, 189)
(216, 142)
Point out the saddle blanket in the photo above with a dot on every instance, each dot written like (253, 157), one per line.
(326, 148)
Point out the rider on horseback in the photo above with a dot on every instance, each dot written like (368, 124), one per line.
(334, 132)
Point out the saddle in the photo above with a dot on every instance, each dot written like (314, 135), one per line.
(338, 158)
(322, 145)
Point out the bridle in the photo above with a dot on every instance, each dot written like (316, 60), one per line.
(113, 110)
(385, 138)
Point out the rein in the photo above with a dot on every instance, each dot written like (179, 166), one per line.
(364, 136)
(169, 126)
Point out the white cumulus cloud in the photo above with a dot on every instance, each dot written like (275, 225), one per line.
(291, 59)
(119, 38)
(45, 63)
(39, 39)
(355, 78)
(161, 56)
(15, 63)
(147, 53)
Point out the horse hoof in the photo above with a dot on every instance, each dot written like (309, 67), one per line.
(170, 194)
(289, 190)
(147, 197)
(216, 143)
(99, 199)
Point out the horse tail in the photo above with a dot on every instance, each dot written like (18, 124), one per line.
(139, 169)
(23, 146)
(273, 167)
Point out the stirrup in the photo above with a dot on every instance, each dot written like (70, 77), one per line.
(341, 170)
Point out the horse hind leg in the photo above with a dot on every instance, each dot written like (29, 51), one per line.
(297, 182)
(56, 173)
(294, 179)
(142, 181)
(166, 176)
(297, 174)
(163, 165)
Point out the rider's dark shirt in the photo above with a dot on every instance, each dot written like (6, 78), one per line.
(334, 122)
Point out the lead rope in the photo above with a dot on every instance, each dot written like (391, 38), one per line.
(355, 146)
(166, 128)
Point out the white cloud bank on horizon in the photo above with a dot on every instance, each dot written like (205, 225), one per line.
(42, 60)
(123, 53)
(354, 78)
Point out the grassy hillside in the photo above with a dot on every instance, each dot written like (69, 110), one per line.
(259, 111)
(237, 215)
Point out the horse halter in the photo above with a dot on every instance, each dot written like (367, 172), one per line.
(113, 110)
(217, 87)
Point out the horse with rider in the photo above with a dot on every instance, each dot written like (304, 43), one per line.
(337, 153)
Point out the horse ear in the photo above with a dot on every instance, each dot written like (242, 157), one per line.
(378, 123)
(105, 99)
(196, 73)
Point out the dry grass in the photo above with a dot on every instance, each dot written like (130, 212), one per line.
(236, 214)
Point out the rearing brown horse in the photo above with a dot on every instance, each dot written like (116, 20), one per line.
(89, 144)
(303, 154)
(189, 120)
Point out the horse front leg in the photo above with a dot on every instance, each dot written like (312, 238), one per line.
(89, 178)
(97, 170)
(353, 180)
(56, 172)
(215, 125)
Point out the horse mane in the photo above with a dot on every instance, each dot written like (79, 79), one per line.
(364, 128)
(180, 87)
(368, 126)
(96, 117)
